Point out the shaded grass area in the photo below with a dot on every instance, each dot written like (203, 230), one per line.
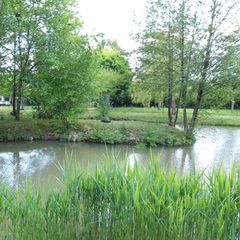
(206, 117)
(119, 203)
(129, 132)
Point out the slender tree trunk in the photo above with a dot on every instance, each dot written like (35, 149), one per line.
(205, 68)
(19, 81)
(196, 108)
(18, 108)
(201, 88)
(170, 75)
(183, 85)
(14, 80)
(170, 117)
(182, 66)
(184, 104)
(177, 109)
(14, 97)
(19, 97)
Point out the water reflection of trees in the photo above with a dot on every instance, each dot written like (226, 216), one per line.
(180, 160)
(19, 162)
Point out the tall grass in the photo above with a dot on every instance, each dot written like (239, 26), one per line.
(117, 202)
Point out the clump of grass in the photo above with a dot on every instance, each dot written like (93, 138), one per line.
(104, 136)
(117, 202)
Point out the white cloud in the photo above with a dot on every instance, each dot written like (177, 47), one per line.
(114, 18)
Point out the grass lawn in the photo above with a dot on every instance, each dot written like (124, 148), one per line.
(206, 117)
(217, 117)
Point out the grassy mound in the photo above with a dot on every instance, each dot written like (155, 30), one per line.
(126, 132)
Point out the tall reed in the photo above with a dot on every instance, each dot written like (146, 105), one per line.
(119, 203)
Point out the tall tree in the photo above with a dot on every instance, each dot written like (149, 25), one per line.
(213, 49)
(36, 35)
(195, 49)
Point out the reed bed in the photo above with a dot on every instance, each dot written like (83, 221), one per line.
(117, 202)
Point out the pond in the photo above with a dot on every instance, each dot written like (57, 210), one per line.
(40, 161)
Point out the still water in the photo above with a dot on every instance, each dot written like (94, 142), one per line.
(39, 161)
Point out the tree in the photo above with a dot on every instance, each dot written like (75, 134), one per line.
(213, 50)
(63, 83)
(114, 77)
(45, 55)
(183, 52)
(158, 53)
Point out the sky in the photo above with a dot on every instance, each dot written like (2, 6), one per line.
(114, 18)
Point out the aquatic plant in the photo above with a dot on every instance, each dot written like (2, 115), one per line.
(118, 202)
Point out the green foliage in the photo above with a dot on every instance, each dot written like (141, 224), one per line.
(185, 56)
(117, 202)
(115, 61)
(52, 62)
(150, 137)
(114, 77)
(65, 84)
(104, 136)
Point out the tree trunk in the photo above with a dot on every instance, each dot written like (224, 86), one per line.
(19, 98)
(14, 80)
(17, 114)
(170, 117)
(14, 97)
(177, 109)
(184, 102)
(196, 109)
(170, 75)
(19, 81)
(205, 67)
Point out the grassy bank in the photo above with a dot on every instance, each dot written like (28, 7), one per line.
(206, 117)
(126, 132)
(145, 126)
(116, 203)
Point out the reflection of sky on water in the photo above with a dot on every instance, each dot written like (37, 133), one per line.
(215, 146)
(16, 166)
